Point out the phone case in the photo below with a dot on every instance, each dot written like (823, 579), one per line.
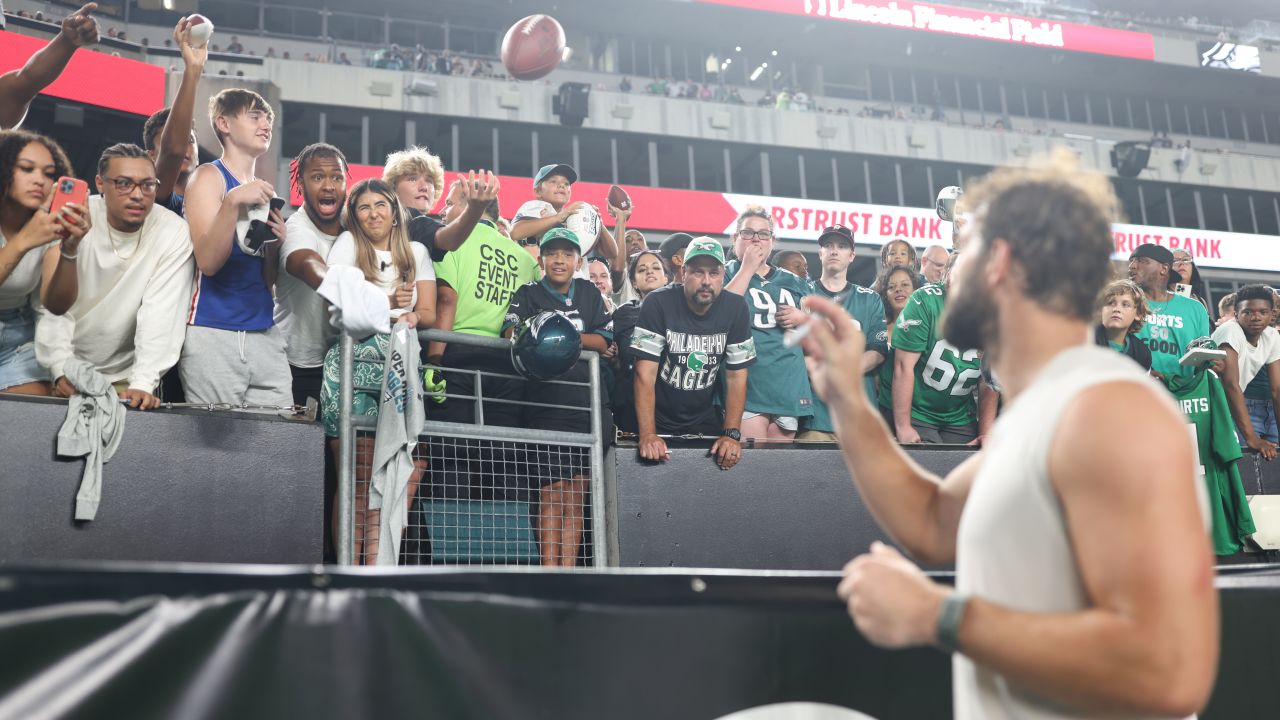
(69, 190)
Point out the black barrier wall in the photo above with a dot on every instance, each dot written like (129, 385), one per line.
(516, 644)
(185, 485)
(783, 508)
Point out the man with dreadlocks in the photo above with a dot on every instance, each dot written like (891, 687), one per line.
(319, 173)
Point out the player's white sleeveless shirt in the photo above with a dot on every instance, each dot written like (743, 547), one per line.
(1013, 547)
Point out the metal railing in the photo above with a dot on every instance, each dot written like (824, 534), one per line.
(521, 453)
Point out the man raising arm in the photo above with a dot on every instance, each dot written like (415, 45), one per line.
(1054, 516)
(19, 87)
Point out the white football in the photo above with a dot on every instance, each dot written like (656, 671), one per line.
(199, 30)
(585, 223)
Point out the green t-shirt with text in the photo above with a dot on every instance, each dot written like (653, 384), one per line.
(485, 272)
(1170, 326)
(945, 377)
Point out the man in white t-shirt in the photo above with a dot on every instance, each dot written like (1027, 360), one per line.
(134, 271)
(1252, 346)
(320, 174)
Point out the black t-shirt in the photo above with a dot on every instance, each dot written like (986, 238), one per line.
(690, 351)
(584, 306)
(423, 229)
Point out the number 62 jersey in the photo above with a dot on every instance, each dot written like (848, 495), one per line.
(945, 377)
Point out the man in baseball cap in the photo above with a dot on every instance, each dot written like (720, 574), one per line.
(552, 206)
(672, 251)
(716, 332)
(1173, 321)
(836, 252)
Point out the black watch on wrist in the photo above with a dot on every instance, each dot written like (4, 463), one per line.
(733, 434)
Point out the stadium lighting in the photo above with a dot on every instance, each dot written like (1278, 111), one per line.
(764, 65)
(737, 48)
(775, 53)
(757, 72)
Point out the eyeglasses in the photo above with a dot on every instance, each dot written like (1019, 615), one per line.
(125, 186)
(755, 234)
(529, 241)
(1183, 261)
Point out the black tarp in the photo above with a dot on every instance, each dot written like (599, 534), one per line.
(250, 642)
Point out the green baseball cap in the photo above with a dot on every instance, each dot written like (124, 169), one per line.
(561, 233)
(556, 169)
(704, 245)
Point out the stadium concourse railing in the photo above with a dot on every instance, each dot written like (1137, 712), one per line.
(483, 509)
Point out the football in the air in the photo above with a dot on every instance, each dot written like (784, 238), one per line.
(533, 47)
(619, 198)
(585, 223)
(199, 30)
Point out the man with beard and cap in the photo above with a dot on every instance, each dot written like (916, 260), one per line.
(686, 337)
(1172, 320)
(1063, 607)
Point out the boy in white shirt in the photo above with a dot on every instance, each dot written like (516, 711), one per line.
(1252, 346)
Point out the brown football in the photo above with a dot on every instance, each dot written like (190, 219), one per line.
(619, 198)
(533, 47)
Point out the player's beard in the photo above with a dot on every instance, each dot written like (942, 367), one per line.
(969, 318)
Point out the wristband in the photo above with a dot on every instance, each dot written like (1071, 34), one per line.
(950, 615)
(70, 257)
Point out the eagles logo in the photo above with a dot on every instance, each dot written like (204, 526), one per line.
(696, 360)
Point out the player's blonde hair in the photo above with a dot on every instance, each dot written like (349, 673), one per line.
(1056, 219)
(414, 161)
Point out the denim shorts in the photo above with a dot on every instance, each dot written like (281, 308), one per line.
(18, 364)
(1263, 415)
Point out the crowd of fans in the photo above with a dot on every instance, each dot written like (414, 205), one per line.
(179, 280)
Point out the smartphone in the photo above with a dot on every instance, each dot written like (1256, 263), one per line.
(1183, 290)
(69, 190)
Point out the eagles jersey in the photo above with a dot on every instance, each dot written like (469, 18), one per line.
(691, 350)
(584, 306)
(1203, 401)
(779, 384)
(945, 377)
(866, 307)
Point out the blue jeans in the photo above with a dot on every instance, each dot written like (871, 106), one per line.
(1263, 416)
(18, 364)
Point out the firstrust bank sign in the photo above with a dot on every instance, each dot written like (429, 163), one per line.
(966, 22)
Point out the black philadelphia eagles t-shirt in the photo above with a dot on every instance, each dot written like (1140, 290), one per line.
(692, 352)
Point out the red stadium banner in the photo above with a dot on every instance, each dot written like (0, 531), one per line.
(712, 213)
(93, 78)
(965, 22)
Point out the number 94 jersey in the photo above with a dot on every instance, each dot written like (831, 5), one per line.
(779, 383)
(946, 377)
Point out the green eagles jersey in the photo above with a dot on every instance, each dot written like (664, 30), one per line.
(946, 377)
(778, 383)
(485, 271)
(1170, 326)
(1202, 400)
(866, 307)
